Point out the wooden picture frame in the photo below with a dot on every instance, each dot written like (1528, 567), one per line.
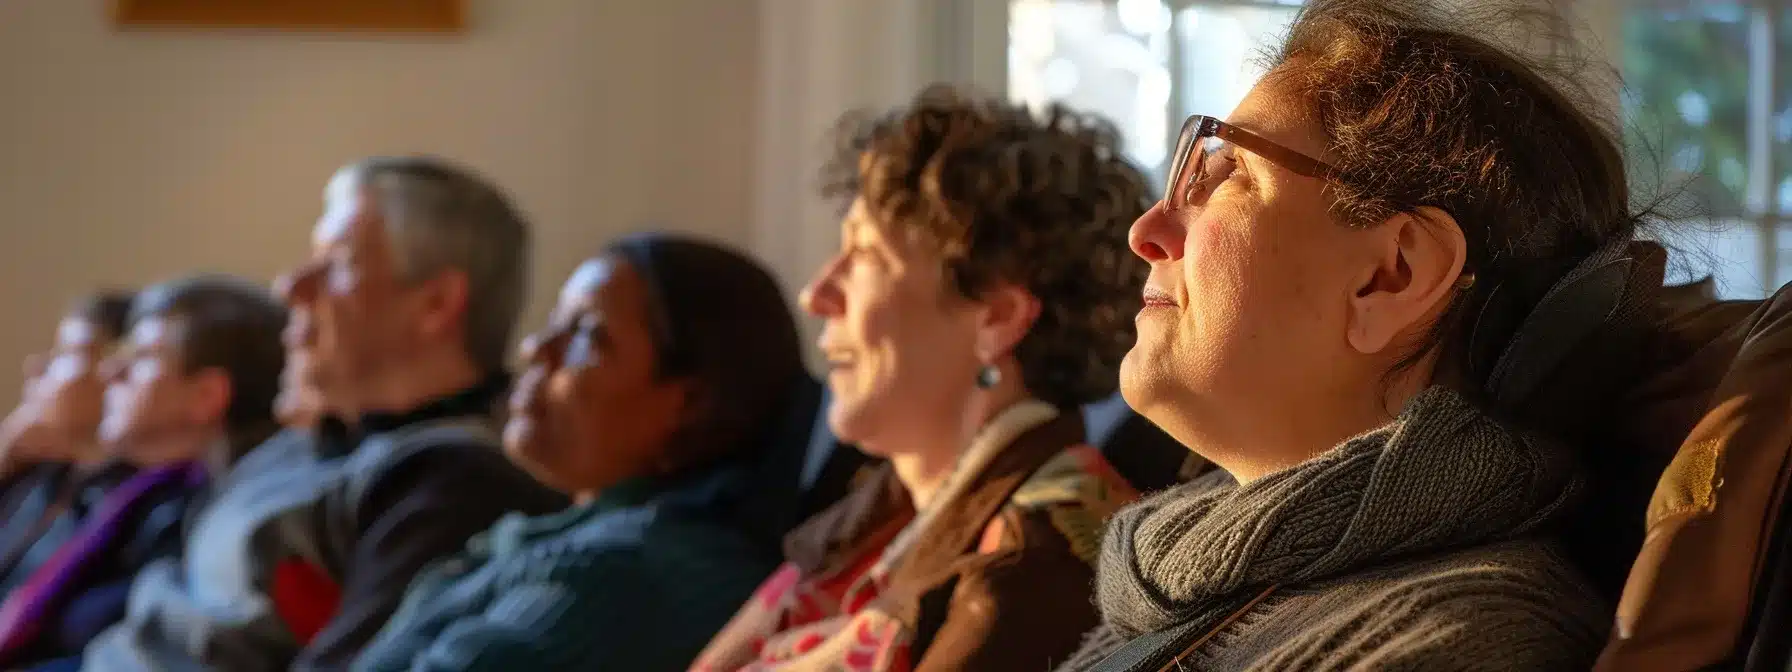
(329, 16)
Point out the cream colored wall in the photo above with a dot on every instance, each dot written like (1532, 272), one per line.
(820, 58)
(127, 157)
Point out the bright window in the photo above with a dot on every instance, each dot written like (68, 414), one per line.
(1708, 102)
(1111, 58)
(1709, 119)
(1138, 62)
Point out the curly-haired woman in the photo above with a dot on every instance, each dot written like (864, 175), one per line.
(983, 292)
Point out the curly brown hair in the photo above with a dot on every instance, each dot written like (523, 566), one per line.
(1039, 200)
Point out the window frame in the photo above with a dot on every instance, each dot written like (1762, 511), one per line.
(1764, 93)
(1761, 207)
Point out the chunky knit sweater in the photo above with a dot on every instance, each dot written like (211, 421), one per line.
(637, 580)
(1418, 546)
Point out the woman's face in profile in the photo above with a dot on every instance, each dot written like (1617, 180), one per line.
(1247, 292)
(590, 409)
(897, 338)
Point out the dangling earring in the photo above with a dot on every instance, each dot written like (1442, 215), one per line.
(988, 377)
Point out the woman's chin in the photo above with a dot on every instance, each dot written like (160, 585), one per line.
(847, 420)
(522, 442)
(1143, 383)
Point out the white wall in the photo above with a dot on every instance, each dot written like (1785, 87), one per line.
(127, 157)
(821, 58)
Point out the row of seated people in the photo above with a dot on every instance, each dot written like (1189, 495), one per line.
(149, 405)
(1458, 420)
(137, 460)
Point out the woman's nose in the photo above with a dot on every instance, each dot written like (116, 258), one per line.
(1158, 235)
(821, 297)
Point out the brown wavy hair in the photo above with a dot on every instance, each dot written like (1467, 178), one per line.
(1042, 201)
(1430, 104)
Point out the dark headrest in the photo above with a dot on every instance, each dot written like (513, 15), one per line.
(1565, 372)
(1590, 298)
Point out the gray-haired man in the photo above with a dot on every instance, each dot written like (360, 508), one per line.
(400, 323)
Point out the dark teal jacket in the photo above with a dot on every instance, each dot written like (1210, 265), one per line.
(638, 580)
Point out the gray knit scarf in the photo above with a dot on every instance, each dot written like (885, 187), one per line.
(1440, 476)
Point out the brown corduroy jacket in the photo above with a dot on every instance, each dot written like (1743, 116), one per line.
(1001, 580)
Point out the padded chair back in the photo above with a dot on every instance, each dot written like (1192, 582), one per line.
(772, 499)
(1769, 628)
(830, 468)
(1719, 391)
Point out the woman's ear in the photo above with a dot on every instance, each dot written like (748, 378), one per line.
(1417, 259)
(1008, 313)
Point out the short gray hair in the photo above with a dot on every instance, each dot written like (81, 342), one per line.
(444, 217)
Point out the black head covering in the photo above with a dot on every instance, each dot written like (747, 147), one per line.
(720, 319)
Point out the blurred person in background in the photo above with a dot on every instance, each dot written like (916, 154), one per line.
(191, 387)
(652, 393)
(50, 455)
(60, 403)
(403, 313)
(299, 404)
(981, 295)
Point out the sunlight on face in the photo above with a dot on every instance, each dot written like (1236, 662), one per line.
(1246, 297)
(897, 339)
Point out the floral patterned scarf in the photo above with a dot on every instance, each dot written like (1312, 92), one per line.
(834, 620)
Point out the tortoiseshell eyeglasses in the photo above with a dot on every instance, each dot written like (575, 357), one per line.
(1204, 159)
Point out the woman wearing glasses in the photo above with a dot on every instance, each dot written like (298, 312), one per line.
(1358, 283)
(981, 295)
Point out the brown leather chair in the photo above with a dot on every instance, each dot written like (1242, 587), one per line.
(1716, 403)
